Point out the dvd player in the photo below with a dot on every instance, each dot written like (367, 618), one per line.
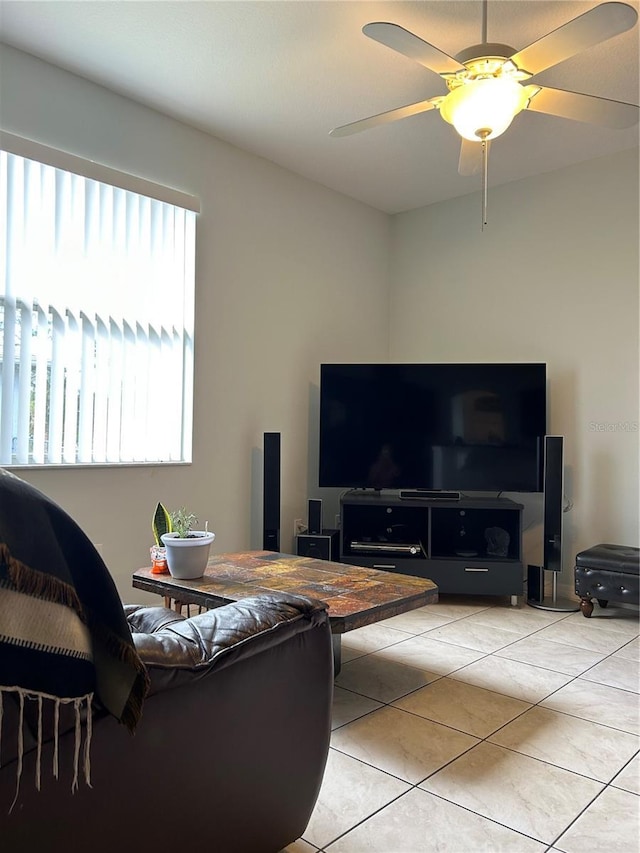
(387, 547)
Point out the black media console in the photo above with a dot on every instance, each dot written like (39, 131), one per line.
(470, 545)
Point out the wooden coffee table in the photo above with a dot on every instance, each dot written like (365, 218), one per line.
(355, 596)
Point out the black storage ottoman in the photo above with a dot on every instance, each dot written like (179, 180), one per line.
(607, 573)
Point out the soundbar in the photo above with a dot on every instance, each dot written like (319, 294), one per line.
(428, 495)
(387, 547)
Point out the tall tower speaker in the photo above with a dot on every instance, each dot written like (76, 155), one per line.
(271, 492)
(553, 498)
(553, 492)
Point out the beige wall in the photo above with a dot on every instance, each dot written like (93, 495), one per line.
(553, 278)
(283, 267)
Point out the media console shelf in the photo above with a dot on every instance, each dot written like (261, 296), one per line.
(471, 545)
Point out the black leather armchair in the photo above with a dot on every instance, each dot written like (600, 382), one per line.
(229, 754)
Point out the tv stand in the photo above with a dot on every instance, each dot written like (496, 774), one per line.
(430, 495)
(467, 545)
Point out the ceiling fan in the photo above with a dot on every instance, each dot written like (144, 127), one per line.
(485, 82)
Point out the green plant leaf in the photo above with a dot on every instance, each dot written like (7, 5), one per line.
(182, 521)
(161, 523)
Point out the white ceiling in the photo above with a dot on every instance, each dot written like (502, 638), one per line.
(274, 77)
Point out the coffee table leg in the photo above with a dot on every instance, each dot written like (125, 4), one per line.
(337, 653)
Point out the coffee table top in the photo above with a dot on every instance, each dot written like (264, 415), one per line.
(356, 596)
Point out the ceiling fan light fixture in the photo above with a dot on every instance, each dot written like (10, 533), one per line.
(483, 109)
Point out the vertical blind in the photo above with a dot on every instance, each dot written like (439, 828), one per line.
(96, 320)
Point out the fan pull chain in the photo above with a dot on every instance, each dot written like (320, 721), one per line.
(485, 178)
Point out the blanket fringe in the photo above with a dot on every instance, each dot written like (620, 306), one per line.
(33, 582)
(29, 695)
(39, 753)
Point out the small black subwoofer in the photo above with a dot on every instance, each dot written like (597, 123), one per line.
(323, 546)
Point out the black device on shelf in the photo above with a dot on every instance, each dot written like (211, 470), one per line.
(452, 427)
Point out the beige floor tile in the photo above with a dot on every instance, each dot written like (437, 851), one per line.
(525, 619)
(577, 745)
(512, 678)
(615, 672)
(557, 657)
(351, 654)
(405, 745)
(630, 651)
(527, 795)
(382, 679)
(430, 655)
(351, 791)
(472, 635)
(469, 709)
(488, 784)
(629, 777)
(611, 823)
(419, 822)
(598, 703)
(582, 635)
(459, 606)
(372, 637)
(417, 621)
(299, 846)
(348, 706)
(612, 618)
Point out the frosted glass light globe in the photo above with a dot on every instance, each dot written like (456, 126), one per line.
(483, 109)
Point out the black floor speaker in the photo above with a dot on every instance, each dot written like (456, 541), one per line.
(314, 525)
(323, 546)
(271, 492)
(553, 499)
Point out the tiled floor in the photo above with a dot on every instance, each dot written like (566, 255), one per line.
(471, 725)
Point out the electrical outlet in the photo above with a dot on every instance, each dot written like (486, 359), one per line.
(338, 520)
(299, 527)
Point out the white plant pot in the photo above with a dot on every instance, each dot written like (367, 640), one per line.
(187, 558)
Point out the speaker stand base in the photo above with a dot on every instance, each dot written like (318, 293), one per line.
(560, 605)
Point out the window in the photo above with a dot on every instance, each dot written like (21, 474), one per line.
(96, 313)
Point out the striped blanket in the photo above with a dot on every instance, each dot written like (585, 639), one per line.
(64, 639)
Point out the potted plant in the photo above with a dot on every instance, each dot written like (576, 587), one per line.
(160, 524)
(187, 549)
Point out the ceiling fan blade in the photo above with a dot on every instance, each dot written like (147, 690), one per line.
(595, 26)
(384, 118)
(587, 108)
(470, 162)
(408, 44)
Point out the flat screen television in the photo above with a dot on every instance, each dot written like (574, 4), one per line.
(449, 427)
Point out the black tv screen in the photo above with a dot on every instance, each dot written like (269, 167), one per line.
(471, 427)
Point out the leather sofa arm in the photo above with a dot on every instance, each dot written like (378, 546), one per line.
(177, 650)
(144, 619)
